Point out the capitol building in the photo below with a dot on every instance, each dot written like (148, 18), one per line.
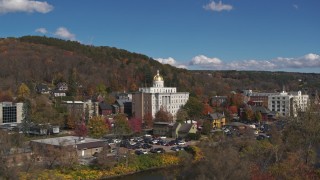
(152, 99)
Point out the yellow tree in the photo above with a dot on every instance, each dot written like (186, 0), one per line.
(97, 127)
(23, 91)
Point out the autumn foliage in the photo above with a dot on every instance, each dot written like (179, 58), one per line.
(135, 124)
(97, 127)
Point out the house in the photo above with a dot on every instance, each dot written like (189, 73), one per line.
(265, 112)
(58, 93)
(125, 106)
(183, 129)
(105, 109)
(84, 147)
(218, 120)
(62, 86)
(42, 89)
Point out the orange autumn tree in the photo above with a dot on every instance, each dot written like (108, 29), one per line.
(148, 120)
(207, 109)
(163, 116)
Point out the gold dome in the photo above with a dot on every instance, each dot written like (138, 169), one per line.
(158, 77)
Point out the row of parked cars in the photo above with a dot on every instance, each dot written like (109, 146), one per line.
(158, 150)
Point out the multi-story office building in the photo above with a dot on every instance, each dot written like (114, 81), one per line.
(11, 113)
(288, 104)
(152, 99)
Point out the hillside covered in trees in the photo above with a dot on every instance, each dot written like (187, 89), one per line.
(34, 59)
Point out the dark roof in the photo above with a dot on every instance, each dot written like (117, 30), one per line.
(161, 123)
(236, 124)
(62, 84)
(185, 128)
(119, 102)
(261, 109)
(216, 115)
(105, 106)
(90, 145)
(41, 87)
(57, 91)
(174, 127)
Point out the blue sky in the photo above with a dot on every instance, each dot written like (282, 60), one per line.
(269, 35)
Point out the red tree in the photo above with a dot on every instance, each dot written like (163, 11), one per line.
(148, 120)
(207, 109)
(81, 129)
(233, 109)
(135, 124)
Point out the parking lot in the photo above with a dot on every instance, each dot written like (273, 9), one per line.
(143, 145)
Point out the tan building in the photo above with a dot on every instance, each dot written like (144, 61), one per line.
(152, 99)
(83, 147)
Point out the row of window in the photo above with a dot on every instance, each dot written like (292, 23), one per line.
(9, 114)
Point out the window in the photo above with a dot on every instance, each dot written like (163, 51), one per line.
(9, 114)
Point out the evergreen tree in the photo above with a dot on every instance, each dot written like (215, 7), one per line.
(26, 115)
(72, 82)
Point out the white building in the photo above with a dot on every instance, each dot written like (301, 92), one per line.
(10, 113)
(288, 104)
(152, 99)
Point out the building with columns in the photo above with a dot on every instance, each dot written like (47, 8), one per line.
(152, 99)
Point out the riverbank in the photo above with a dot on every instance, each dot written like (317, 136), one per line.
(136, 164)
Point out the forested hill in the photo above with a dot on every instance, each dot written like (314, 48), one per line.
(34, 59)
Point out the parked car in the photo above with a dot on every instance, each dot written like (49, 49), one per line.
(157, 150)
(171, 143)
(181, 143)
(177, 148)
(140, 152)
(146, 146)
(262, 136)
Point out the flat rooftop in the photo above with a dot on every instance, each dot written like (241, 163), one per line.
(66, 141)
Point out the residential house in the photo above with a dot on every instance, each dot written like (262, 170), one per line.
(265, 112)
(183, 129)
(58, 93)
(62, 86)
(105, 109)
(42, 88)
(125, 106)
(217, 101)
(218, 120)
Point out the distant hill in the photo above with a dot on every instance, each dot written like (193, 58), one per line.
(35, 59)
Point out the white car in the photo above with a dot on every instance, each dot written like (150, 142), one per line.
(181, 143)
